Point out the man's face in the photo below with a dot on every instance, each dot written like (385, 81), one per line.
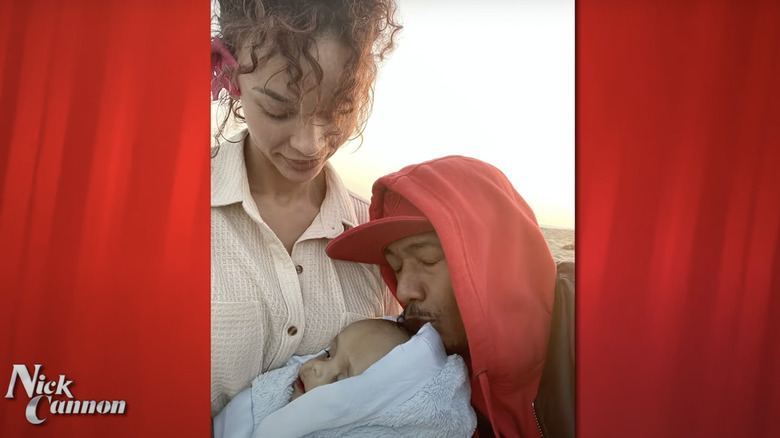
(425, 288)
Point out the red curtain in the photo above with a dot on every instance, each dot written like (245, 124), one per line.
(678, 218)
(104, 223)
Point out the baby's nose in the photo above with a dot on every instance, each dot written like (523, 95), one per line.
(306, 370)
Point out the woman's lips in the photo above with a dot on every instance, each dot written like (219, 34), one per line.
(302, 165)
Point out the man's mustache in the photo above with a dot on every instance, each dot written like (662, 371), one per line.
(413, 310)
(413, 318)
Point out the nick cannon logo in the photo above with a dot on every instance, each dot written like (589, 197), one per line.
(39, 389)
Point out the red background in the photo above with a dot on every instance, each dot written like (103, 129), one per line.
(678, 218)
(104, 211)
(104, 226)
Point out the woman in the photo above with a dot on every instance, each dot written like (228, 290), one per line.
(299, 74)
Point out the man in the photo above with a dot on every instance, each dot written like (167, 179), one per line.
(460, 248)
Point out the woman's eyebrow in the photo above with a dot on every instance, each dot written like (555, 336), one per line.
(272, 94)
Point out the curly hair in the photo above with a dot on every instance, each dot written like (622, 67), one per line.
(289, 28)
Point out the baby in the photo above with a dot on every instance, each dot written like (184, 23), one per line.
(351, 352)
(373, 380)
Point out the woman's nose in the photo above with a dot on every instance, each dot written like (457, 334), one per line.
(409, 288)
(308, 138)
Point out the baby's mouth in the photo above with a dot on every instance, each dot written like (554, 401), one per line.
(300, 385)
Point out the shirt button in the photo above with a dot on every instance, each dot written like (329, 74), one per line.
(292, 330)
(298, 268)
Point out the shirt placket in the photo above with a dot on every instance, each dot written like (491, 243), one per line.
(295, 321)
(290, 285)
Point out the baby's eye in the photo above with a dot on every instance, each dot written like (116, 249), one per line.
(327, 353)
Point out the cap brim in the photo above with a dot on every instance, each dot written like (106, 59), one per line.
(366, 243)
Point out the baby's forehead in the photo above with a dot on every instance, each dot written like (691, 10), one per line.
(367, 328)
(366, 342)
(369, 333)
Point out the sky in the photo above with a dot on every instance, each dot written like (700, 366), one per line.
(493, 80)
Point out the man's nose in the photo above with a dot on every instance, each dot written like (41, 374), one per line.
(308, 138)
(409, 288)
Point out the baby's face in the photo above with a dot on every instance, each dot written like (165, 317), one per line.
(356, 348)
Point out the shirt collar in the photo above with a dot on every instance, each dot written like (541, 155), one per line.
(337, 213)
(228, 171)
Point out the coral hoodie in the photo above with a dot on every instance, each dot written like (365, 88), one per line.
(503, 276)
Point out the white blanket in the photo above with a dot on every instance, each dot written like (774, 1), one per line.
(416, 390)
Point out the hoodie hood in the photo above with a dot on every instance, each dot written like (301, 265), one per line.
(503, 277)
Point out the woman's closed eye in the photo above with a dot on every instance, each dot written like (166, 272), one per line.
(278, 116)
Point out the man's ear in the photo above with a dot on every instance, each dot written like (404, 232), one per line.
(223, 64)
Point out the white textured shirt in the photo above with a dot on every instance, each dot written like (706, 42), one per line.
(266, 304)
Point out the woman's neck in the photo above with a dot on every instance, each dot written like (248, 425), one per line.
(266, 181)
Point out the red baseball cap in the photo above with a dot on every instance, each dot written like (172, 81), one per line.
(366, 243)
